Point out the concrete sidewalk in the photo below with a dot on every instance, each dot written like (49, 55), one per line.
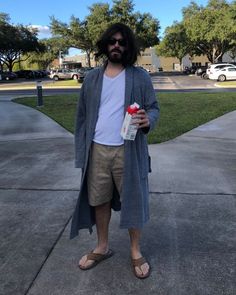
(190, 240)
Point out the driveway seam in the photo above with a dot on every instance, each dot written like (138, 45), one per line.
(192, 193)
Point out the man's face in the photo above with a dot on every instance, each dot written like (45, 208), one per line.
(116, 48)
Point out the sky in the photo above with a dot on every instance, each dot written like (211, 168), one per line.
(37, 13)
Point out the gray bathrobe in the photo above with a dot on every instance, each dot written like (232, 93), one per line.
(134, 208)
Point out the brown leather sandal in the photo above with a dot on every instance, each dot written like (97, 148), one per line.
(97, 258)
(138, 263)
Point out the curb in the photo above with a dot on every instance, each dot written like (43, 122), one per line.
(35, 88)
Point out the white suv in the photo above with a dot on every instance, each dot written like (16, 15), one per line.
(217, 66)
(66, 74)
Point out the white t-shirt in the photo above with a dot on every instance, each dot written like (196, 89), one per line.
(111, 111)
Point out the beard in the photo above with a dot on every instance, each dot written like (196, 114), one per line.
(116, 56)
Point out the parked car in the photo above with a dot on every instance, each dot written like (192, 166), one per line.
(22, 73)
(201, 71)
(27, 74)
(142, 68)
(8, 76)
(64, 74)
(45, 73)
(84, 70)
(227, 73)
(190, 70)
(217, 66)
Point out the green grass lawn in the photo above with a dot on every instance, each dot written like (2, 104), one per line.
(180, 111)
(227, 84)
(62, 83)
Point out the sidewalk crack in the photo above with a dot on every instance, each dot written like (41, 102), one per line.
(47, 256)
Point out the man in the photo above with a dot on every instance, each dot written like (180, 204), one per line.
(114, 170)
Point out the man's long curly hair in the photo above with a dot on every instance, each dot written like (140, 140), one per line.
(131, 52)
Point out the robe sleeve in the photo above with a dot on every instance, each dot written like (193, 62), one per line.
(151, 105)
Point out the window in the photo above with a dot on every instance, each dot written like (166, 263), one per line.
(196, 64)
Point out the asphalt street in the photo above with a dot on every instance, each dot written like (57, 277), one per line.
(162, 82)
(190, 240)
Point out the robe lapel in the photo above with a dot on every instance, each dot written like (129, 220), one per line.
(128, 87)
(97, 91)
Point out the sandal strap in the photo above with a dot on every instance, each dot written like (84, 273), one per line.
(138, 262)
(95, 256)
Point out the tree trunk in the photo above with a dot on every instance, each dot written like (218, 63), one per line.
(88, 57)
(10, 67)
(219, 58)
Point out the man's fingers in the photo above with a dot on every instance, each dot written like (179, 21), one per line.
(141, 119)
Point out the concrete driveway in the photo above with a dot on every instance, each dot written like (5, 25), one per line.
(176, 81)
(190, 240)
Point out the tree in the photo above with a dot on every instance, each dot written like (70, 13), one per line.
(84, 34)
(98, 20)
(122, 11)
(16, 42)
(52, 48)
(4, 18)
(76, 34)
(211, 29)
(175, 43)
(145, 27)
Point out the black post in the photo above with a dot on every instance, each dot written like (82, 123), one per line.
(39, 94)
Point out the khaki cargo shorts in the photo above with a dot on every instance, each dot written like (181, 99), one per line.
(105, 170)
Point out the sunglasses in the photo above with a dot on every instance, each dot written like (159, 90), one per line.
(121, 42)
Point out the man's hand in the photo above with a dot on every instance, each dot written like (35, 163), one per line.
(141, 119)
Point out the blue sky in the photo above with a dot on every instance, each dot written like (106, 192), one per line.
(37, 13)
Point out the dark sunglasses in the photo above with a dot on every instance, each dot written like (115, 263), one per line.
(113, 41)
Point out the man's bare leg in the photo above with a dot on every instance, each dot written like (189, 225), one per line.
(103, 216)
(135, 235)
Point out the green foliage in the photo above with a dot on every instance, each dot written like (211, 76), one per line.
(52, 47)
(15, 42)
(147, 30)
(84, 34)
(208, 30)
(75, 34)
(4, 18)
(122, 11)
(211, 29)
(144, 25)
(175, 43)
(98, 20)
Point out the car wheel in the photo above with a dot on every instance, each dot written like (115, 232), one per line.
(55, 78)
(204, 76)
(75, 77)
(221, 78)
